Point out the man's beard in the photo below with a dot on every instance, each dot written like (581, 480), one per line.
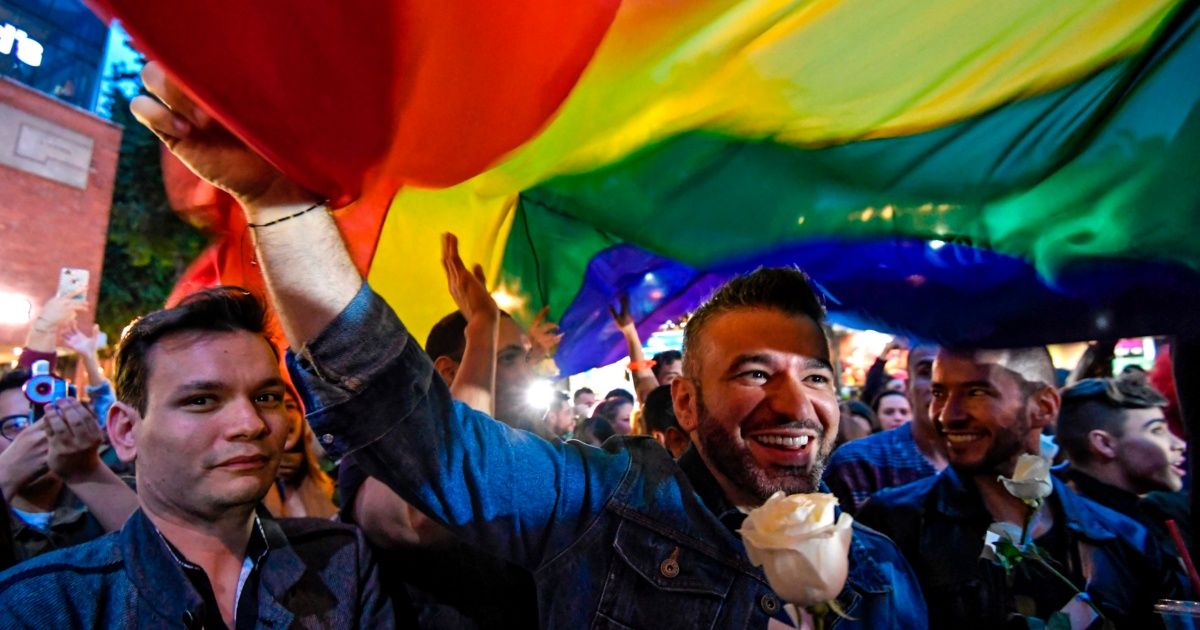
(739, 466)
(1007, 444)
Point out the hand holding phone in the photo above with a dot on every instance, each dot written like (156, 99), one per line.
(73, 282)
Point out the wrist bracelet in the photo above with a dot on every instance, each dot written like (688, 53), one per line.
(634, 366)
(316, 205)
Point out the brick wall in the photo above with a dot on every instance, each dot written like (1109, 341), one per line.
(45, 224)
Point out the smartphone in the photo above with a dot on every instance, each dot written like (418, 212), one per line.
(71, 280)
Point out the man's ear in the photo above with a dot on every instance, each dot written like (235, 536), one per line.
(122, 420)
(1043, 407)
(684, 395)
(447, 368)
(1102, 444)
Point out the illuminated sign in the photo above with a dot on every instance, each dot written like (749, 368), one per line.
(13, 39)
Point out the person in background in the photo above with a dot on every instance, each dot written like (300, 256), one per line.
(877, 379)
(858, 421)
(301, 487)
(560, 416)
(659, 416)
(1122, 455)
(99, 388)
(891, 458)
(584, 400)
(892, 409)
(611, 417)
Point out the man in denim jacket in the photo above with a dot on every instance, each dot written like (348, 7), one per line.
(616, 537)
(201, 409)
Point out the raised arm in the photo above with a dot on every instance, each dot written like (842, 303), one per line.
(475, 380)
(74, 437)
(368, 385)
(644, 380)
(309, 273)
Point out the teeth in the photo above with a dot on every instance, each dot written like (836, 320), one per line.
(959, 438)
(784, 441)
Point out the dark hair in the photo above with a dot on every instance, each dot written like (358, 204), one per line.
(448, 337)
(659, 411)
(13, 380)
(1097, 404)
(220, 309)
(884, 394)
(785, 289)
(581, 391)
(608, 408)
(663, 359)
(560, 401)
(619, 393)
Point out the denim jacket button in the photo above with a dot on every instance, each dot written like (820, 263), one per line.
(669, 568)
(769, 604)
(189, 619)
(327, 438)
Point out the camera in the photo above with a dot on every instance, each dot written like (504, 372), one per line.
(43, 388)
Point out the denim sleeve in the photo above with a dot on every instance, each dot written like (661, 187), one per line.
(371, 390)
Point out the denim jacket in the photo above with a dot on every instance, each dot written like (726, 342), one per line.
(939, 523)
(616, 537)
(314, 574)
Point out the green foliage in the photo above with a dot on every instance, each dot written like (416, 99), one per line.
(148, 245)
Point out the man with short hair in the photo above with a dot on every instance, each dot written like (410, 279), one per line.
(989, 407)
(584, 400)
(200, 409)
(658, 414)
(668, 366)
(860, 468)
(1121, 453)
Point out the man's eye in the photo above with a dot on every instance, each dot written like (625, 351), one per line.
(754, 375)
(270, 398)
(819, 379)
(937, 393)
(199, 401)
(977, 391)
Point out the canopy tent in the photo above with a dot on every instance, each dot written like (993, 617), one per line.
(999, 173)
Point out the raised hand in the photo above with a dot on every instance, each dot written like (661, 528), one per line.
(469, 289)
(622, 318)
(24, 460)
(207, 148)
(545, 335)
(74, 438)
(82, 344)
(60, 310)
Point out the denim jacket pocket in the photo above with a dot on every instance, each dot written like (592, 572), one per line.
(656, 582)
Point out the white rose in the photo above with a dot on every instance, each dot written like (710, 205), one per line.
(805, 555)
(1031, 479)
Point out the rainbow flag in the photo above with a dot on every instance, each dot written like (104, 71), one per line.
(999, 173)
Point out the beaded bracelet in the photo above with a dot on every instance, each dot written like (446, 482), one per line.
(316, 205)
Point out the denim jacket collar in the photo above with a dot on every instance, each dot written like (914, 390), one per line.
(865, 575)
(957, 499)
(159, 579)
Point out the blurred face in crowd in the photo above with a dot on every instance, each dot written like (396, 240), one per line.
(853, 427)
(561, 419)
(514, 376)
(986, 414)
(762, 410)
(14, 412)
(893, 411)
(670, 371)
(920, 375)
(1150, 456)
(622, 418)
(584, 403)
(214, 427)
(293, 447)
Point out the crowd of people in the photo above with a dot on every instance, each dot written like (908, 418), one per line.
(361, 478)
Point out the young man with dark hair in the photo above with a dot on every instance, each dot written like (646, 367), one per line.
(989, 407)
(200, 409)
(1121, 453)
(658, 414)
(668, 366)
